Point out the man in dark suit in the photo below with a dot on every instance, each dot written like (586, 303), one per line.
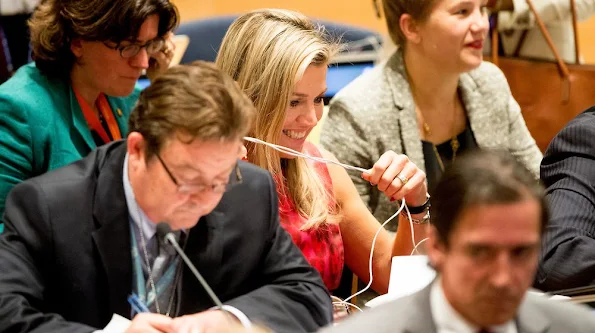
(81, 239)
(488, 214)
(568, 172)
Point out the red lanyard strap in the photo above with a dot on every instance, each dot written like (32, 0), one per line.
(93, 120)
(108, 115)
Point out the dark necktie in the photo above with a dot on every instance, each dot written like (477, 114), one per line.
(165, 254)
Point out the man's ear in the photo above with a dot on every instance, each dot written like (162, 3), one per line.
(135, 145)
(435, 248)
(76, 47)
(410, 29)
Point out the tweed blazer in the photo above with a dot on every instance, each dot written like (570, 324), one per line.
(376, 113)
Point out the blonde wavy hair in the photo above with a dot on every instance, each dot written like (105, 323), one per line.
(267, 52)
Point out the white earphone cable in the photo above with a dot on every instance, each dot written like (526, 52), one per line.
(349, 167)
(290, 151)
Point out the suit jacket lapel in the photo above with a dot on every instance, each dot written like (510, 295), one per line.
(530, 319)
(479, 112)
(419, 315)
(396, 75)
(79, 121)
(112, 236)
(205, 250)
(118, 115)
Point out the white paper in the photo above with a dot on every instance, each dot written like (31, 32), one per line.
(118, 324)
(408, 274)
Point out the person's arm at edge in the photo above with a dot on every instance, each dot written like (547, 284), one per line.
(568, 172)
(24, 250)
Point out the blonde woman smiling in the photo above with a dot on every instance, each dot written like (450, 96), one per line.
(280, 59)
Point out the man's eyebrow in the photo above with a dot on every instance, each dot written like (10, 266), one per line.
(187, 166)
(223, 174)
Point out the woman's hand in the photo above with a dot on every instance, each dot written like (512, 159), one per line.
(159, 62)
(398, 178)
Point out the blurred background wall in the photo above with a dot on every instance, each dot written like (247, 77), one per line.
(356, 12)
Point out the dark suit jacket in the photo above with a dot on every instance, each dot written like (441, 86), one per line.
(568, 172)
(66, 264)
(413, 314)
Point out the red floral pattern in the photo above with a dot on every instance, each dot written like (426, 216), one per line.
(322, 246)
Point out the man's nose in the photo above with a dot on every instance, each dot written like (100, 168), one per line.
(501, 275)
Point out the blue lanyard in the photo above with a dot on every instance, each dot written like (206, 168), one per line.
(137, 272)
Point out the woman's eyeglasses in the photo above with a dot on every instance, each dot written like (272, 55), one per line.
(128, 51)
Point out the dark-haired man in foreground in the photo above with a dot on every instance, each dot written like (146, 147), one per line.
(488, 214)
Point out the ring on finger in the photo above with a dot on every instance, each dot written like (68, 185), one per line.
(403, 179)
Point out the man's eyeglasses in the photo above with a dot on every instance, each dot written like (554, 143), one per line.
(153, 46)
(234, 179)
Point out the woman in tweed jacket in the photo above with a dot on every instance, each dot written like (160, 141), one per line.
(434, 98)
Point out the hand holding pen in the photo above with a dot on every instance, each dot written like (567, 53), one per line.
(144, 321)
(137, 305)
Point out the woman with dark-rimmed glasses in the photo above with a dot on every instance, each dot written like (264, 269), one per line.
(78, 93)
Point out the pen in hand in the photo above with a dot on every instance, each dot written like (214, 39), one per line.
(136, 304)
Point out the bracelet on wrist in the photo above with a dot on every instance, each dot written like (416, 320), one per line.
(423, 220)
(420, 209)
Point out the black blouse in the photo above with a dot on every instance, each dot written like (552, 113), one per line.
(433, 169)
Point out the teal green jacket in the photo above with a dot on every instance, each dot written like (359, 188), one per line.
(42, 127)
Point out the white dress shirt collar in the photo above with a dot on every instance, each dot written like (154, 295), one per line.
(137, 215)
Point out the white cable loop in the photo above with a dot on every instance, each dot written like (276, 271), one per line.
(292, 152)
